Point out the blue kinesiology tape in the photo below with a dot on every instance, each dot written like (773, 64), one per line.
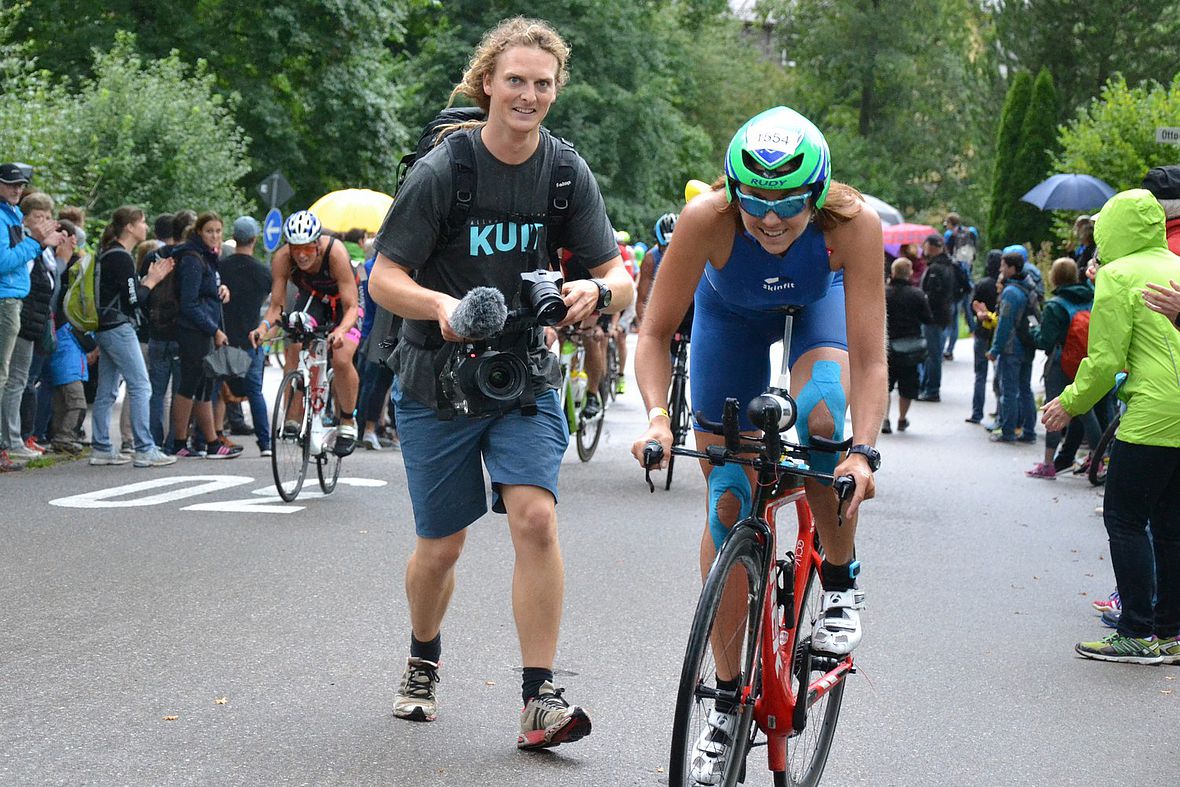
(727, 478)
(824, 386)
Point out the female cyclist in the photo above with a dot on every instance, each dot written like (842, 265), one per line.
(776, 232)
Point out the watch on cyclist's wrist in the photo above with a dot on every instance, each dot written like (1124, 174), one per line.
(604, 294)
(872, 455)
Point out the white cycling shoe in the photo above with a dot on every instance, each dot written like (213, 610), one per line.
(711, 751)
(837, 631)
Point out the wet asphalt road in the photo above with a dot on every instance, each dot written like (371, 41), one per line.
(143, 642)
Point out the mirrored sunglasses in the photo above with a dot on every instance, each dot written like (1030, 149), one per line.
(784, 208)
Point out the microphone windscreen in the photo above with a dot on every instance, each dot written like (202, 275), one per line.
(481, 313)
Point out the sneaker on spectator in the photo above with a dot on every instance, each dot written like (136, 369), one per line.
(184, 452)
(902, 424)
(153, 458)
(1084, 467)
(33, 445)
(112, 458)
(1116, 647)
(548, 720)
(1169, 650)
(415, 698)
(265, 451)
(886, 428)
(127, 451)
(7, 465)
(1042, 470)
(371, 442)
(223, 440)
(1109, 604)
(219, 450)
(66, 447)
(1110, 618)
(23, 452)
(1000, 437)
(1027, 437)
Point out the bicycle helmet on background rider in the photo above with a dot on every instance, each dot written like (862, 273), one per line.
(664, 226)
(779, 149)
(302, 227)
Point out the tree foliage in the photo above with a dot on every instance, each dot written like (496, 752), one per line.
(1085, 44)
(154, 134)
(903, 98)
(1007, 145)
(1031, 164)
(1113, 137)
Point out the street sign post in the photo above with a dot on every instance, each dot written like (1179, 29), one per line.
(272, 229)
(1167, 135)
(275, 190)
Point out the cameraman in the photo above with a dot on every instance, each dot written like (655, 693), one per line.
(514, 76)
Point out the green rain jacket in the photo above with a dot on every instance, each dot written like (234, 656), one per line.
(1124, 333)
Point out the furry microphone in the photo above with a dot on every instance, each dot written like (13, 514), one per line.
(480, 314)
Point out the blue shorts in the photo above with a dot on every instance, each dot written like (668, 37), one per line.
(730, 350)
(443, 459)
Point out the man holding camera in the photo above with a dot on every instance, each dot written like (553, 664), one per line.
(421, 274)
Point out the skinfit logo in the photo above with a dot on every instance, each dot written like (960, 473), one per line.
(777, 284)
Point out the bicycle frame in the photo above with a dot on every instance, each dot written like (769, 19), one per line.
(317, 376)
(779, 642)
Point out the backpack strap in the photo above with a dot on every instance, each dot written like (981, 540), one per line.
(462, 154)
(561, 189)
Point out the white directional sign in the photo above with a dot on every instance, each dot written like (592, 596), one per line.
(1168, 135)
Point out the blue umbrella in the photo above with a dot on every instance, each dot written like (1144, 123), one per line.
(1069, 192)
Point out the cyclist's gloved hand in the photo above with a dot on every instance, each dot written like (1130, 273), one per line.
(301, 322)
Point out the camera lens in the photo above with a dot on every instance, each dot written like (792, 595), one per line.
(501, 377)
(542, 294)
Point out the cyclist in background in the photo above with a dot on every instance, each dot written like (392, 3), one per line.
(321, 270)
(593, 330)
(664, 227)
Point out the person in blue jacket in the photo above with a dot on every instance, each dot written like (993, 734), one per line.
(18, 247)
(1017, 407)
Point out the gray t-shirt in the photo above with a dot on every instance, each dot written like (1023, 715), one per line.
(504, 237)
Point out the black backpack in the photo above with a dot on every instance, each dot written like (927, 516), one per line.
(562, 180)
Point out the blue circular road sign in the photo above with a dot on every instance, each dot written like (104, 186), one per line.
(272, 229)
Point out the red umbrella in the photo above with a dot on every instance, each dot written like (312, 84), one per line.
(906, 233)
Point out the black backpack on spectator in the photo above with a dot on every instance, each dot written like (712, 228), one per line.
(562, 178)
(164, 306)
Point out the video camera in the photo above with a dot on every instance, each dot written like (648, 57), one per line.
(490, 375)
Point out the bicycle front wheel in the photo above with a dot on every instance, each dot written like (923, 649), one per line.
(1100, 457)
(723, 644)
(289, 427)
(807, 751)
(327, 463)
(612, 370)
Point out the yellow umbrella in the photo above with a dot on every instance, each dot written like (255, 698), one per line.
(347, 209)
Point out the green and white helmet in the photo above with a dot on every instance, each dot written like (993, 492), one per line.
(779, 149)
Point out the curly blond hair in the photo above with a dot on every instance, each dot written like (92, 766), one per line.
(517, 31)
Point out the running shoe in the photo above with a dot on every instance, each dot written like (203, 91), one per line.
(902, 424)
(1042, 470)
(548, 720)
(415, 698)
(345, 440)
(33, 445)
(21, 451)
(265, 451)
(712, 748)
(219, 450)
(1169, 650)
(153, 458)
(111, 458)
(886, 428)
(223, 440)
(1110, 618)
(1109, 604)
(837, 632)
(371, 442)
(66, 447)
(184, 452)
(1116, 647)
(7, 465)
(621, 386)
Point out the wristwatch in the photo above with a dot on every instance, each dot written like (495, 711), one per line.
(604, 294)
(869, 453)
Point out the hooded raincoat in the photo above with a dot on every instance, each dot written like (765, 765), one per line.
(1124, 333)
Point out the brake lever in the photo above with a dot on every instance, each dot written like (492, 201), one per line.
(844, 485)
(653, 454)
